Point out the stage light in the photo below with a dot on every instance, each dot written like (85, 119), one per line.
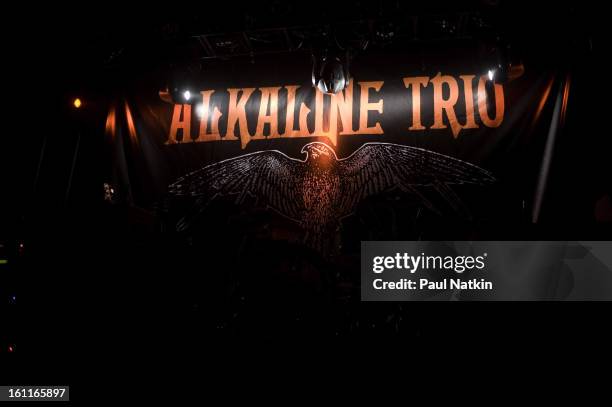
(330, 73)
(77, 103)
(109, 193)
(501, 64)
(180, 86)
(499, 73)
(200, 110)
(178, 94)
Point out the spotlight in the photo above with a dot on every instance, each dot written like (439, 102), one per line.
(77, 103)
(200, 110)
(330, 73)
(179, 94)
(181, 85)
(109, 193)
(503, 63)
(504, 72)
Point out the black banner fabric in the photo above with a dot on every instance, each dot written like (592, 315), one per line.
(440, 137)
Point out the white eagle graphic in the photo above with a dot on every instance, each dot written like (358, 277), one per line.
(320, 190)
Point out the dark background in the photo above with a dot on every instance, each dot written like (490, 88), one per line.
(97, 284)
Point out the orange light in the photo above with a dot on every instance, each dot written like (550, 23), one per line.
(130, 123)
(77, 103)
(111, 122)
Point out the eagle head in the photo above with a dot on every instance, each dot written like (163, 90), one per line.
(319, 153)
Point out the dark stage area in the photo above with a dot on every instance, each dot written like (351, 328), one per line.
(163, 202)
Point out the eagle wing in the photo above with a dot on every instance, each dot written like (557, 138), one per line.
(270, 176)
(378, 167)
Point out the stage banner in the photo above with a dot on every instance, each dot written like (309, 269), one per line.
(416, 146)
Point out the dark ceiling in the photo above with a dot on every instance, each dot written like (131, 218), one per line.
(83, 40)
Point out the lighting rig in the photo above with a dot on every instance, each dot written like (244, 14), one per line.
(333, 46)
